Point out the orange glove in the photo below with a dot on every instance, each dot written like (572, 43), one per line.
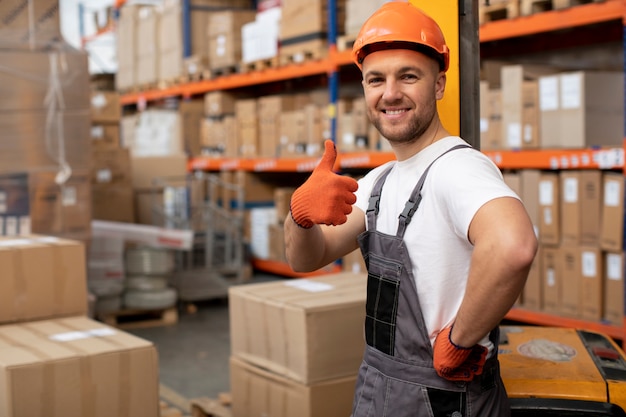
(325, 197)
(457, 363)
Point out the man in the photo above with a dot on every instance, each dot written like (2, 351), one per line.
(447, 244)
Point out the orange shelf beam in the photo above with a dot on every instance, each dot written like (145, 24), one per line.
(603, 158)
(348, 160)
(585, 14)
(281, 268)
(533, 317)
(228, 82)
(85, 40)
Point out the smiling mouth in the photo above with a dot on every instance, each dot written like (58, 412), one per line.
(394, 112)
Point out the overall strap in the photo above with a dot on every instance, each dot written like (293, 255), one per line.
(374, 201)
(416, 196)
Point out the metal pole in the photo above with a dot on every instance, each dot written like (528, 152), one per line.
(186, 27)
(333, 80)
(469, 76)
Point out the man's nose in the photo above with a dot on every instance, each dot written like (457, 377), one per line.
(392, 91)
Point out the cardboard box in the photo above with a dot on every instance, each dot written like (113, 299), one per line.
(291, 328)
(76, 367)
(105, 107)
(612, 232)
(532, 294)
(570, 205)
(571, 275)
(106, 136)
(219, 103)
(592, 290)
(530, 179)
(582, 109)
(591, 206)
(43, 277)
(224, 33)
(613, 282)
(257, 392)
(111, 166)
(29, 25)
(493, 137)
(549, 206)
(191, 115)
(354, 262)
(126, 47)
(62, 210)
(552, 278)
(113, 202)
(148, 169)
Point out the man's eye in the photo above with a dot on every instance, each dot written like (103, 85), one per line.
(409, 77)
(375, 80)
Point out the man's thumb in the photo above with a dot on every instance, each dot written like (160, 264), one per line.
(330, 155)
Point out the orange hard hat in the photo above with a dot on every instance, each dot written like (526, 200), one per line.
(399, 24)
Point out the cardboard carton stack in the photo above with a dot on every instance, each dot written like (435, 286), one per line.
(44, 117)
(285, 356)
(578, 216)
(54, 360)
(111, 174)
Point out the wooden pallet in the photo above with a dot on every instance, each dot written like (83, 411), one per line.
(528, 7)
(259, 65)
(302, 52)
(207, 407)
(223, 71)
(133, 318)
(166, 410)
(564, 4)
(498, 11)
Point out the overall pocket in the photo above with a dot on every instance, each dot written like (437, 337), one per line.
(383, 288)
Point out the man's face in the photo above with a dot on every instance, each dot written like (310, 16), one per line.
(401, 92)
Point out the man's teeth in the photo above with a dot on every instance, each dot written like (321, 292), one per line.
(394, 112)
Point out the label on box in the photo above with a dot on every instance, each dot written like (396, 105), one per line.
(24, 225)
(570, 91)
(548, 93)
(484, 125)
(612, 192)
(570, 190)
(309, 286)
(104, 175)
(514, 135)
(97, 132)
(11, 226)
(589, 264)
(546, 193)
(98, 101)
(614, 267)
(550, 277)
(69, 196)
(77, 335)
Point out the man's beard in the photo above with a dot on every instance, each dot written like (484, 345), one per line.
(411, 131)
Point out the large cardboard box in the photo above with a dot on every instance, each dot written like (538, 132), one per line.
(530, 179)
(105, 107)
(257, 392)
(612, 232)
(148, 23)
(29, 25)
(76, 367)
(582, 109)
(571, 275)
(111, 166)
(42, 277)
(571, 206)
(552, 279)
(291, 328)
(613, 282)
(113, 202)
(591, 270)
(591, 206)
(225, 40)
(126, 42)
(532, 294)
(549, 206)
(147, 170)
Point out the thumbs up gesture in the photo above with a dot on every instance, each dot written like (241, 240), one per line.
(325, 197)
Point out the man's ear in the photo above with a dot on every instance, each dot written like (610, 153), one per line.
(440, 86)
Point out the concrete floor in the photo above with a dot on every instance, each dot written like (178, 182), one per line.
(194, 353)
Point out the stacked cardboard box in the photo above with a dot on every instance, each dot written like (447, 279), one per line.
(225, 40)
(218, 126)
(285, 359)
(44, 117)
(110, 174)
(47, 342)
(530, 107)
(578, 215)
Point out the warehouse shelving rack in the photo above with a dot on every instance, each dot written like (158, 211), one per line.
(584, 18)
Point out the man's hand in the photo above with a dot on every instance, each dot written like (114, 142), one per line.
(457, 363)
(325, 197)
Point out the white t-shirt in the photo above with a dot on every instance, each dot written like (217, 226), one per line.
(456, 186)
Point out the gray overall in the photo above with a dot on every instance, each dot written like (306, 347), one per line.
(396, 377)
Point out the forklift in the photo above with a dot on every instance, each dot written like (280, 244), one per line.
(547, 371)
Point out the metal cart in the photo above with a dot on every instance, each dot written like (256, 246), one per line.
(213, 210)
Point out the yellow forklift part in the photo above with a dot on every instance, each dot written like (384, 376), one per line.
(567, 366)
